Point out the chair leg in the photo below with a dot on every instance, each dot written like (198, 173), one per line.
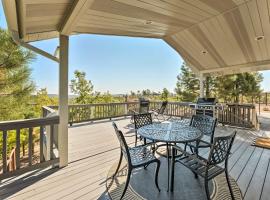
(136, 138)
(119, 164)
(156, 175)
(229, 183)
(206, 188)
(168, 166)
(185, 148)
(172, 169)
(127, 183)
(192, 151)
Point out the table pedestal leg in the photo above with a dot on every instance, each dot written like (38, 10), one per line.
(168, 165)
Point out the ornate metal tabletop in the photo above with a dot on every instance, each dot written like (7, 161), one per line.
(170, 132)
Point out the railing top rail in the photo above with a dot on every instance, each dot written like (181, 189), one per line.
(97, 104)
(241, 105)
(118, 103)
(49, 109)
(28, 123)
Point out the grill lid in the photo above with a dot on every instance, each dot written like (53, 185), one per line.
(206, 101)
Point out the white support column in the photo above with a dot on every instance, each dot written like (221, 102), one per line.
(201, 85)
(63, 102)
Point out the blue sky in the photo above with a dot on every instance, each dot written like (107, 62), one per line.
(115, 64)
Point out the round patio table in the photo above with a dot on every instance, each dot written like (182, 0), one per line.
(170, 132)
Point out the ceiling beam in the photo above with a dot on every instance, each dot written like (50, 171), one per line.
(17, 40)
(21, 13)
(247, 67)
(11, 15)
(77, 10)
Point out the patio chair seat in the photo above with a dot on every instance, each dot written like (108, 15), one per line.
(141, 155)
(199, 166)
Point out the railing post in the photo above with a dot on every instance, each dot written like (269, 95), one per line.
(4, 151)
(63, 102)
(18, 143)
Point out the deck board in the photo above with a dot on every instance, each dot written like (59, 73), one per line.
(93, 148)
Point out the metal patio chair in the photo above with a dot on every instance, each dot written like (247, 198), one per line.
(158, 114)
(207, 126)
(136, 157)
(141, 120)
(211, 167)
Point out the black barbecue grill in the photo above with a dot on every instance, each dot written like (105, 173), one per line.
(205, 106)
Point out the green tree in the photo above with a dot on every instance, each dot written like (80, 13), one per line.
(42, 99)
(83, 88)
(231, 87)
(165, 94)
(187, 86)
(16, 86)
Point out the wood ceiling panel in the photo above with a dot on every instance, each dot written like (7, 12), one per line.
(42, 15)
(179, 9)
(119, 27)
(248, 23)
(103, 31)
(199, 35)
(263, 11)
(231, 40)
(201, 5)
(91, 13)
(126, 10)
(255, 17)
(217, 35)
(196, 48)
(159, 8)
(53, 18)
(47, 1)
(125, 23)
(41, 28)
(186, 5)
(220, 5)
(35, 10)
(185, 55)
(236, 24)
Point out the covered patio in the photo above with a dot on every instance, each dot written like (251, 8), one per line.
(214, 37)
(93, 148)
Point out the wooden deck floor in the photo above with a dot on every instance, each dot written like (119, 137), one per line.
(93, 148)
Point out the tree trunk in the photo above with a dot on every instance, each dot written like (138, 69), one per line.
(23, 148)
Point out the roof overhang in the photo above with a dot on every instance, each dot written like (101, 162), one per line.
(212, 36)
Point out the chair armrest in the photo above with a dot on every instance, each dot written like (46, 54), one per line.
(134, 112)
(205, 144)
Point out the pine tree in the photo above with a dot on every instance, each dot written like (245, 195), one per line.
(187, 86)
(15, 83)
(165, 94)
(83, 88)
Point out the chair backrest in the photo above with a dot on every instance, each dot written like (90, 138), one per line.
(144, 106)
(163, 107)
(142, 120)
(205, 124)
(220, 149)
(123, 144)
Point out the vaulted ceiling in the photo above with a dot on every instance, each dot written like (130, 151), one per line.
(212, 36)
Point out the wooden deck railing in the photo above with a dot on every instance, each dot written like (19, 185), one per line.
(241, 115)
(44, 127)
